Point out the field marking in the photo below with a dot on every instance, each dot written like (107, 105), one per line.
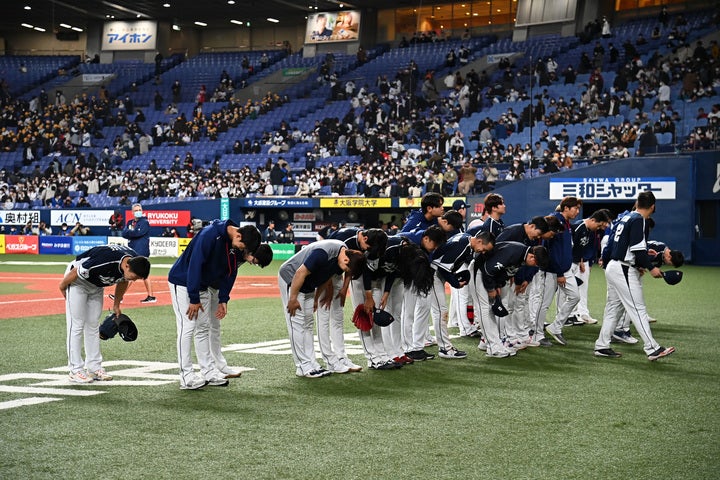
(23, 402)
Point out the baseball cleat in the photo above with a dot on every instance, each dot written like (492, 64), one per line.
(607, 352)
(660, 353)
(100, 375)
(80, 377)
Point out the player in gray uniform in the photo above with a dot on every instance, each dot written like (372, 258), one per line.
(628, 259)
(82, 286)
(298, 279)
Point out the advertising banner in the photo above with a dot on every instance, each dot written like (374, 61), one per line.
(140, 35)
(89, 218)
(55, 244)
(327, 27)
(282, 251)
(163, 218)
(599, 188)
(182, 244)
(19, 217)
(356, 202)
(2, 243)
(21, 244)
(163, 247)
(83, 244)
(277, 202)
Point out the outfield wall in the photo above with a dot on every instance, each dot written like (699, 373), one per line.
(687, 216)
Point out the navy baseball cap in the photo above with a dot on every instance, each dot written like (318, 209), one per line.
(458, 204)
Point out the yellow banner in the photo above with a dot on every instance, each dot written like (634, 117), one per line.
(2, 244)
(182, 244)
(356, 202)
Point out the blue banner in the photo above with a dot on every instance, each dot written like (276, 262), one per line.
(279, 202)
(55, 244)
(83, 244)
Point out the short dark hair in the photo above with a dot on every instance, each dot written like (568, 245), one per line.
(454, 218)
(486, 237)
(542, 258)
(263, 254)
(250, 237)
(435, 234)
(602, 215)
(492, 200)
(645, 199)
(431, 199)
(140, 266)
(677, 258)
(569, 202)
(554, 224)
(377, 242)
(540, 223)
(357, 263)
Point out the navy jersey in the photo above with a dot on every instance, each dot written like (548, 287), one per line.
(560, 248)
(452, 255)
(501, 263)
(659, 247)
(628, 241)
(101, 265)
(320, 258)
(489, 225)
(417, 221)
(515, 233)
(208, 261)
(584, 243)
(345, 234)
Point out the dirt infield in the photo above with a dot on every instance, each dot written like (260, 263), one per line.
(44, 298)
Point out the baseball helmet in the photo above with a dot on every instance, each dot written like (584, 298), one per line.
(361, 319)
(672, 277)
(108, 329)
(498, 308)
(382, 318)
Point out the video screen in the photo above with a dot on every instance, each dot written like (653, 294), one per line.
(327, 27)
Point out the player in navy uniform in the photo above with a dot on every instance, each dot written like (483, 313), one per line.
(330, 319)
(416, 305)
(495, 208)
(628, 259)
(83, 285)
(298, 279)
(404, 265)
(200, 282)
(558, 275)
(514, 294)
(431, 208)
(449, 260)
(585, 253)
(489, 273)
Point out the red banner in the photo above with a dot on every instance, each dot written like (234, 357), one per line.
(21, 244)
(164, 218)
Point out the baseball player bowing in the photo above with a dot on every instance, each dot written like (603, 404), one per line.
(200, 282)
(490, 273)
(330, 316)
(298, 278)
(628, 259)
(448, 261)
(82, 286)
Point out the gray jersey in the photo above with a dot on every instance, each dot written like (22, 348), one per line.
(320, 258)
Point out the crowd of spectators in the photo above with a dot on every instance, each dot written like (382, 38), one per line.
(400, 144)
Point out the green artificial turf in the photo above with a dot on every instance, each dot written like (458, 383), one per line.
(556, 413)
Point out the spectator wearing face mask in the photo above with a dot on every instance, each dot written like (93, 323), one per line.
(137, 231)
